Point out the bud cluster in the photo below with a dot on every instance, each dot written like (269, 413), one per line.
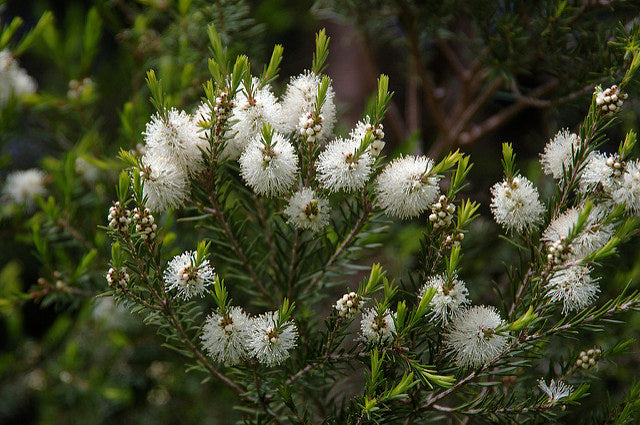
(118, 278)
(589, 358)
(615, 164)
(119, 217)
(441, 213)
(378, 136)
(610, 99)
(348, 305)
(78, 88)
(453, 239)
(145, 223)
(221, 112)
(559, 251)
(310, 126)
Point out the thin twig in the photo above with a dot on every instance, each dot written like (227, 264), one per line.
(217, 212)
(343, 246)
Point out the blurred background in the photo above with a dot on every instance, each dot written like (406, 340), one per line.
(467, 75)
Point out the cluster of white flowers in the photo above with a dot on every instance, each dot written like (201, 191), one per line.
(348, 305)
(628, 190)
(249, 113)
(377, 328)
(14, 81)
(225, 338)
(299, 101)
(186, 277)
(450, 297)
(618, 180)
(573, 286)
(559, 153)
(472, 336)
(269, 167)
(270, 343)
(306, 210)
(599, 173)
(342, 166)
(516, 205)
(22, 187)
(593, 236)
(175, 137)
(165, 185)
(555, 391)
(234, 337)
(406, 187)
(360, 132)
(173, 153)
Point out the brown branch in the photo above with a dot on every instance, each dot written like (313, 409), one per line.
(451, 57)
(495, 121)
(408, 20)
(466, 116)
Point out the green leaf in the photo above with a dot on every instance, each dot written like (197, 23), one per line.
(45, 23)
(9, 30)
(321, 53)
(508, 161)
(157, 94)
(92, 32)
(270, 72)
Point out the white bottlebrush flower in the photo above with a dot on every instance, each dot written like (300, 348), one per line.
(377, 329)
(593, 237)
(268, 344)
(628, 189)
(404, 187)
(559, 153)
(574, 287)
(516, 204)
(24, 186)
(339, 168)
(14, 81)
(248, 116)
(306, 210)
(449, 298)
(165, 184)
(299, 100)
(555, 391)
(472, 337)
(178, 139)
(598, 174)
(362, 128)
(269, 169)
(187, 278)
(225, 339)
